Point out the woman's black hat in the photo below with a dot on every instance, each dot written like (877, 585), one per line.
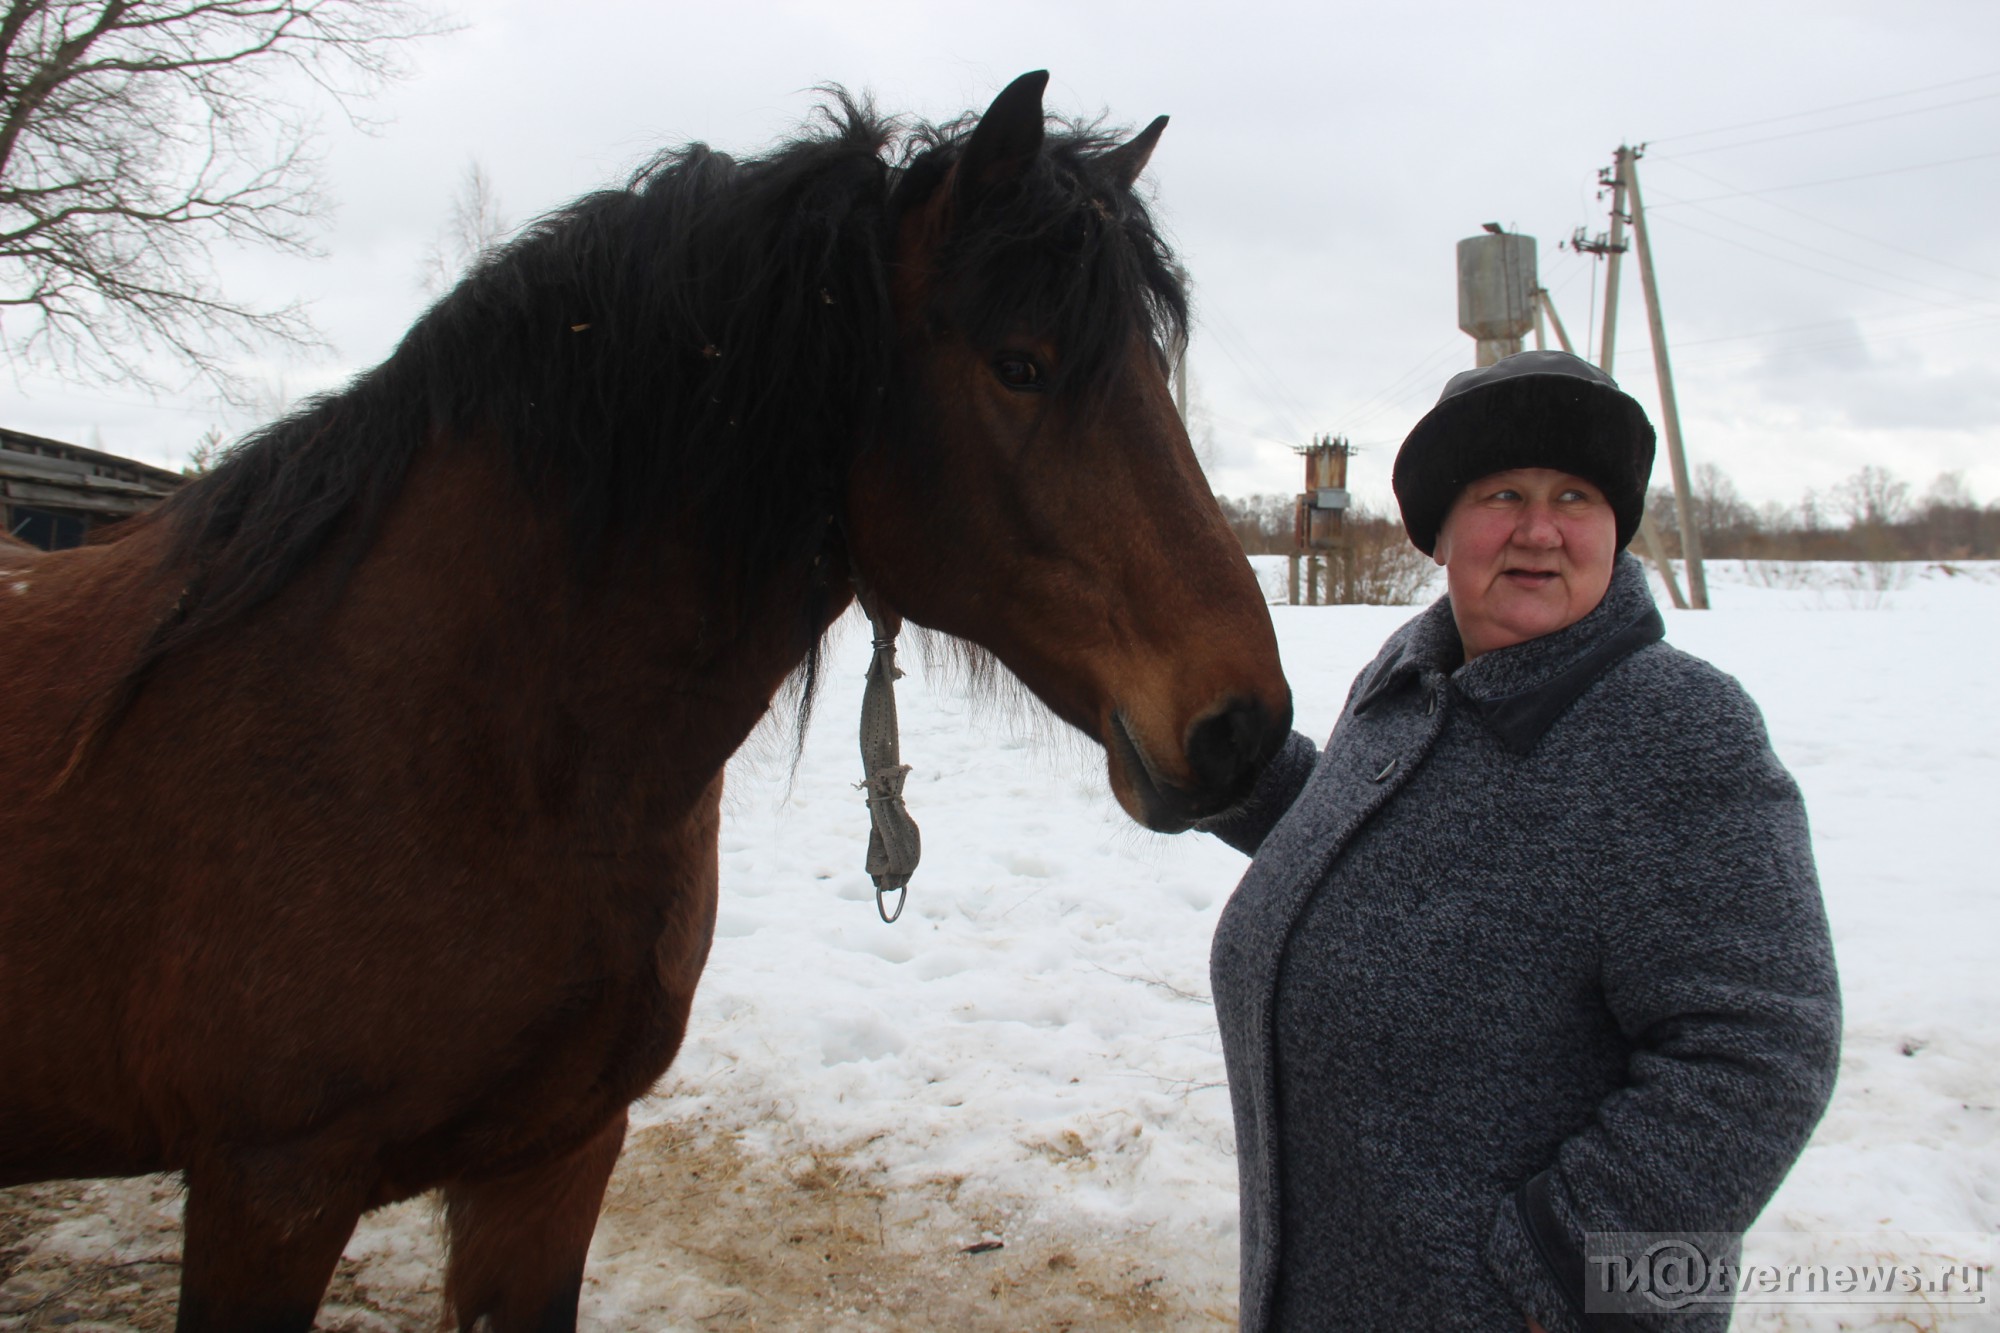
(1532, 409)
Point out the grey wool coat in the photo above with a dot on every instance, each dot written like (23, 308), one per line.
(1534, 949)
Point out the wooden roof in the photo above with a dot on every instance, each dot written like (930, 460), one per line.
(51, 474)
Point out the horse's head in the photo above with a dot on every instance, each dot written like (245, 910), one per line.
(1035, 491)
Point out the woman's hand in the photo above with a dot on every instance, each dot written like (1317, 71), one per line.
(1534, 1327)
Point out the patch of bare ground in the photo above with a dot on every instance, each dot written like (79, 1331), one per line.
(104, 1256)
(699, 1232)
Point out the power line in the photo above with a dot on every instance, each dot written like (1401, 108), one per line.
(1413, 377)
(1226, 330)
(1848, 321)
(1241, 355)
(1831, 180)
(1575, 267)
(1733, 358)
(1837, 106)
(1247, 428)
(1831, 226)
(1422, 391)
(1826, 129)
(1392, 394)
(1840, 258)
(1572, 266)
(1399, 390)
(1982, 310)
(1812, 268)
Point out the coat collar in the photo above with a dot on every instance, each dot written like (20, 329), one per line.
(1520, 691)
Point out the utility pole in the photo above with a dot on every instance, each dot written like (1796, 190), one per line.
(1670, 416)
(1615, 251)
(1562, 334)
(1611, 248)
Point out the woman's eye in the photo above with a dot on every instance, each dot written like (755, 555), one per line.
(1017, 371)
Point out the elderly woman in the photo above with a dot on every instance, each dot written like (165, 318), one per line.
(1533, 952)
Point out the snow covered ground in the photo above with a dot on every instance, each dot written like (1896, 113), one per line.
(1030, 1051)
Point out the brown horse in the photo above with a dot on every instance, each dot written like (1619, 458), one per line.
(358, 808)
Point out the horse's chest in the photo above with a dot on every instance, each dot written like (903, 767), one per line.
(606, 1036)
(595, 1048)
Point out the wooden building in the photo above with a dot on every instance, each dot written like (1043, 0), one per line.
(52, 494)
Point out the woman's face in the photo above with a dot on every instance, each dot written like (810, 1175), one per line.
(1526, 553)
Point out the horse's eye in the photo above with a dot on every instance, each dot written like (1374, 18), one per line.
(1017, 370)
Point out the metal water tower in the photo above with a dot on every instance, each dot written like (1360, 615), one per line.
(1496, 291)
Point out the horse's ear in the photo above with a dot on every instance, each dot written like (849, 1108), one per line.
(1006, 139)
(1128, 159)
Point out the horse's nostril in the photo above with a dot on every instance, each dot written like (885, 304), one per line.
(1225, 747)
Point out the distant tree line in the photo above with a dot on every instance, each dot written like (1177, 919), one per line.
(1872, 515)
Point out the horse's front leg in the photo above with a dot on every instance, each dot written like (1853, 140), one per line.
(518, 1242)
(260, 1239)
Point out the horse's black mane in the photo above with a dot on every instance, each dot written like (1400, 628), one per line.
(707, 347)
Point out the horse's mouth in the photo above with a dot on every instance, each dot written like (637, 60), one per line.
(1163, 807)
(1225, 750)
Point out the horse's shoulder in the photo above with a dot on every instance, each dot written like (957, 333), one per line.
(69, 620)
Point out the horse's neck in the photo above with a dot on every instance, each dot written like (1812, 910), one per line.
(467, 604)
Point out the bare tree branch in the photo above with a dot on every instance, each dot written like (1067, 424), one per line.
(135, 135)
(475, 226)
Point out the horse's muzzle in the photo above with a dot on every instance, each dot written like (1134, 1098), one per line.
(1226, 749)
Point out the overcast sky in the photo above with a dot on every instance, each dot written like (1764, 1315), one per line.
(1823, 181)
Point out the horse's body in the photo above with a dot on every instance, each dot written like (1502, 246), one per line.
(358, 809)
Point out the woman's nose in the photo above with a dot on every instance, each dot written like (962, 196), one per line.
(1537, 528)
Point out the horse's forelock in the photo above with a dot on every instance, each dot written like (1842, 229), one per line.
(1067, 250)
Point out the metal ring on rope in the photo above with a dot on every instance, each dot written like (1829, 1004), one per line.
(902, 896)
(893, 842)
